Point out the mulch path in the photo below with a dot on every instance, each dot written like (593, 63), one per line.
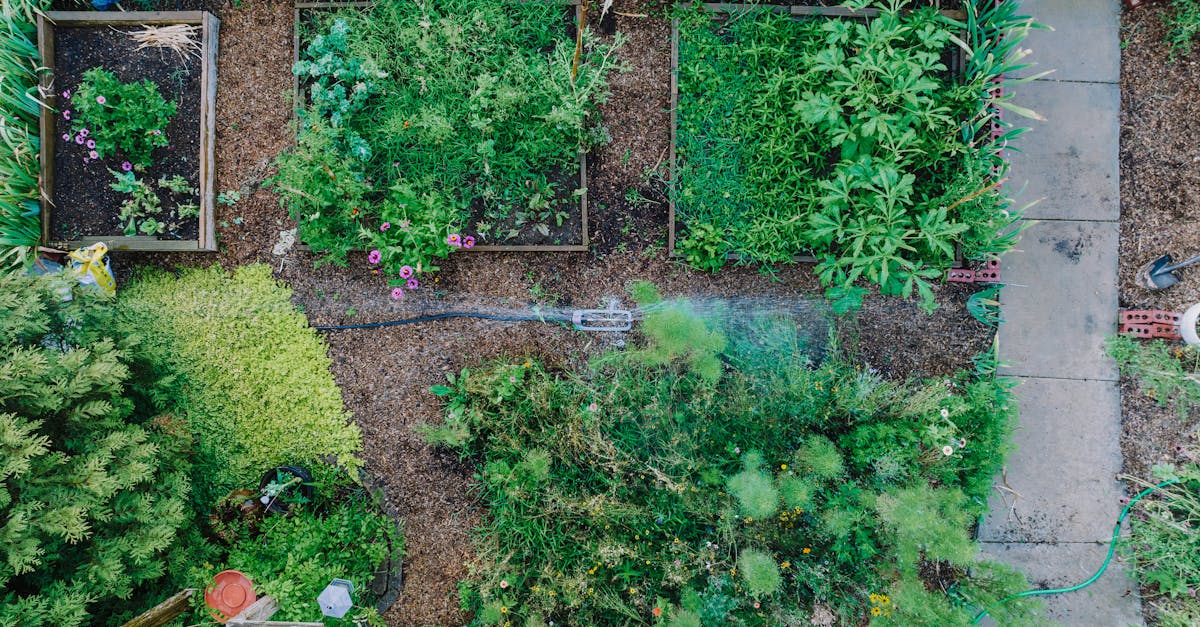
(1160, 214)
(385, 374)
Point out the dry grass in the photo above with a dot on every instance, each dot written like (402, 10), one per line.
(183, 39)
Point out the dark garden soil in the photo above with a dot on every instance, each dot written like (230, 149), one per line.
(84, 204)
(385, 374)
(1160, 214)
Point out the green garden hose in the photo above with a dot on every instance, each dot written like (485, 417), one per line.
(1112, 547)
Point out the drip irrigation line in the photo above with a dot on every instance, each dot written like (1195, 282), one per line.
(443, 316)
(1112, 547)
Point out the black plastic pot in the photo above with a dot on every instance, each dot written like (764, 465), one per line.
(279, 504)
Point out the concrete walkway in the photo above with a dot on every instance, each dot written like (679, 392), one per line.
(1052, 512)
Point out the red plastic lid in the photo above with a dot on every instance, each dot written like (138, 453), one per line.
(230, 593)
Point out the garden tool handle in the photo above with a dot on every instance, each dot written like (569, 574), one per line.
(1186, 262)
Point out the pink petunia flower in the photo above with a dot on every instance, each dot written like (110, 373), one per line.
(93, 154)
(454, 239)
(397, 293)
(126, 166)
(79, 139)
(84, 132)
(406, 271)
(101, 99)
(67, 114)
(66, 137)
(468, 242)
(374, 256)
(67, 94)
(412, 283)
(385, 226)
(156, 132)
(91, 143)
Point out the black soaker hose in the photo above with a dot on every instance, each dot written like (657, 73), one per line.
(442, 316)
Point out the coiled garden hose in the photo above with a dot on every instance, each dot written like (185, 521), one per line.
(1112, 547)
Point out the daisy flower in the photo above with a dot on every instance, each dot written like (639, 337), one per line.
(412, 283)
(397, 293)
(374, 256)
(947, 450)
(454, 239)
(468, 242)
(406, 272)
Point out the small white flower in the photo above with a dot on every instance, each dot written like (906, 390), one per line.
(962, 443)
(945, 413)
(947, 450)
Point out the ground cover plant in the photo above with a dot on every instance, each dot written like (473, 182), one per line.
(851, 140)
(1168, 371)
(20, 228)
(420, 115)
(1164, 545)
(717, 475)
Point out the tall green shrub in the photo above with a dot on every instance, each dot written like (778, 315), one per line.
(258, 391)
(91, 494)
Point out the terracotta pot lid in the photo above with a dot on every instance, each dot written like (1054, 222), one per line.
(230, 593)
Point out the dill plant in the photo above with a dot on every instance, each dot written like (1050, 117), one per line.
(643, 489)
(850, 140)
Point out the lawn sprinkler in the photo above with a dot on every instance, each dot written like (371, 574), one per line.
(1160, 273)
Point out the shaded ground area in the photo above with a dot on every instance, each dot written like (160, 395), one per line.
(385, 374)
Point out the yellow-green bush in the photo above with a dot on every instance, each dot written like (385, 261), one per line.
(253, 377)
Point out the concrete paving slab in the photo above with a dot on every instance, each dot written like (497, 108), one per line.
(1070, 161)
(1112, 601)
(1059, 483)
(1084, 45)
(1060, 302)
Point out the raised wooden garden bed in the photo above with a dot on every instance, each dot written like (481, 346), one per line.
(574, 228)
(722, 11)
(78, 205)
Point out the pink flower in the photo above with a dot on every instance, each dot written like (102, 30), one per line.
(385, 226)
(406, 271)
(374, 256)
(79, 139)
(101, 99)
(66, 137)
(91, 143)
(454, 239)
(156, 132)
(84, 132)
(93, 154)
(67, 114)
(397, 293)
(468, 242)
(67, 94)
(126, 166)
(412, 283)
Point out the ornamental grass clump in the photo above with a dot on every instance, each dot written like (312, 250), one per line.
(847, 139)
(650, 487)
(20, 224)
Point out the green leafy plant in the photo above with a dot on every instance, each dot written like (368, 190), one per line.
(139, 210)
(128, 117)
(622, 493)
(846, 139)
(1168, 372)
(1164, 543)
(1183, 24)
(703, 248)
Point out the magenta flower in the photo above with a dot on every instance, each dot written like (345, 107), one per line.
(79, 139)
(468, 242)
(66, 137)
(67, 114)
(397, 293)
(406, 271)
(67, 94)
(84, 132)
(156, 132)
(91, 143)
(93, 154)
(374, 256)
(101, 99)
(126, 166)
(454, 239)
(412, 283)
(385, 226)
